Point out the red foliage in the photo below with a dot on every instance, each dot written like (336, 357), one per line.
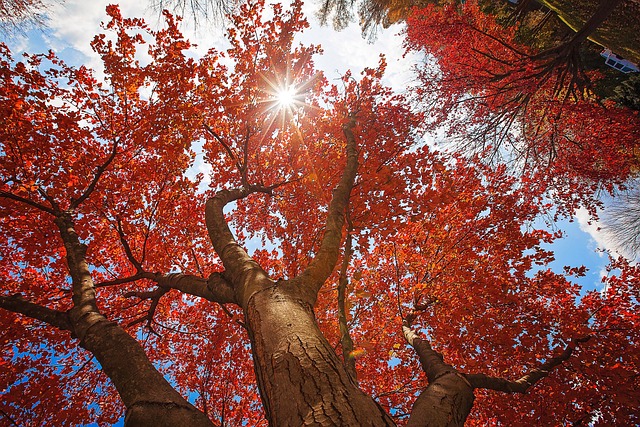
(450, 237)
(488, 90)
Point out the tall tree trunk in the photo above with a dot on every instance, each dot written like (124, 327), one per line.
(600, 15)
(301, 379)
(605, 8)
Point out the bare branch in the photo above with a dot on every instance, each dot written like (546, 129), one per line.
(154, 296)
(127, 249)
(4, 414)
(101, 169)
(226, 147)
(121, 281)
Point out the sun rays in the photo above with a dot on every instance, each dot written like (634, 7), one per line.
(285, 99)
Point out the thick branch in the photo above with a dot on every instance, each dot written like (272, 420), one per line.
(85, 311)
(101, 169)
(448, 399)
(17, 304)
(521, 385)
(243, 273)
(216, 288)
(431, 361)
(325, 260)
(601, 14)
(144, 391)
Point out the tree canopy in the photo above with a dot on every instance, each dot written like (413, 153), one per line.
(336, 270)
(536, 108)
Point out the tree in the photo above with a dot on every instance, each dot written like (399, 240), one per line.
(621, 221)
(18, 15)
(106, 254)
(628, 92)
(197, 10)
(500, 97)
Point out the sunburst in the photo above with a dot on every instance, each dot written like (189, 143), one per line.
(286, 97)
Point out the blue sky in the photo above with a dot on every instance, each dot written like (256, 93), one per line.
(578, 248)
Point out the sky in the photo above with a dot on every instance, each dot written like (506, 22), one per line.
(73, 24)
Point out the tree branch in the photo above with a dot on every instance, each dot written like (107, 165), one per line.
(122, 358)
(321, 267)
(522, 384)
(121, 280)
(154, 296)
(345, 337)
(101, 169)
(84, 313)
(17, 304)
(448, 399)
(216, 288)
(8, 195)
(244, 275)
(431, 361)
(599, 16)
(226, 147)
(125, 245)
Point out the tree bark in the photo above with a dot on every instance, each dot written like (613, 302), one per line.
(448, 399)
(446, 402)
(301, 379)
(149, 398)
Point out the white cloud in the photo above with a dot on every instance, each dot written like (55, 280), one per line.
(592, 228)
(348, 50)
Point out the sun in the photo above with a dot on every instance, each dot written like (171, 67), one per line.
(286, 97)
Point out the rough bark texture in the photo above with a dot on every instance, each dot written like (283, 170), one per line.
(149, 398)
(448, 399)
(301, 379)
